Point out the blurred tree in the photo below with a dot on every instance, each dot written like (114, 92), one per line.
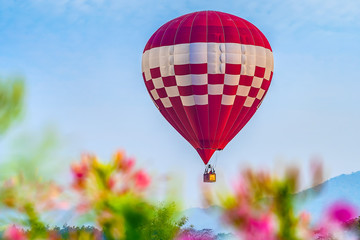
(11, 101)
(164, 223)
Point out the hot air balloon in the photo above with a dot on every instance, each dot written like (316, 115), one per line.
(207, 72)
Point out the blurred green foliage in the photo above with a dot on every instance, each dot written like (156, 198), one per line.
(34, 156)
(164, 223)
(11, 101)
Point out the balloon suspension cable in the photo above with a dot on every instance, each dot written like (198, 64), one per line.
(216, 158)
(213, 161)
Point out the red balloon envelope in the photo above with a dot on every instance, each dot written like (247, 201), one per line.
(207, 73)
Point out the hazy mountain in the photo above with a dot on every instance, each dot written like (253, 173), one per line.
(206, 218)
(345, 187)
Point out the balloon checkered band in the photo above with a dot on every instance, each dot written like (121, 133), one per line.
(245, 69)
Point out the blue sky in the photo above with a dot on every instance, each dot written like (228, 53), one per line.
(82, 63)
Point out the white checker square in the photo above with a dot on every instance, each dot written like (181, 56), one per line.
(158, 83)
(222, 68)
(249, 101)
(171, 60)
(222, 47)
(181, 58)
(198, 48)
(199, 79)
(171, 70)
(164, 51)
(269, 60)
(183, 80)
(147, 74)
(213, 68)
(164, 61)
(243, 59)
(172, 91)
(251, 60)
(260, 51)
(233, 58)
(213, 57)
(201, 99)
(243, 69)
(243, 90)
(249, 70)
(165, 71)
(166, 102)
(181, 48)
(233, 48)
(154, 57)
(196, 58)
(222, 58)
(256, 83)
(171, 50)
(145, 60)
(260, 93)
(243, 49)
(154, 94)
(267, 74)
(187, 100)
(227, 99)
(213, 47)
(250, 50)
(231, 80)
(215, 89)
(261, 61)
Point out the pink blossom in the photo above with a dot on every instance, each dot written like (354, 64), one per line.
(341, 212)
(128, 164)
(111, 182)
(80, 172)
(142, 179)
(14, 233)
(305, 218)
(259, 229)
(123, 163)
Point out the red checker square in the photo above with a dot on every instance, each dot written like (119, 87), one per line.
(161, 92)
(200, 89)
(155, 72)
(265, 85)
(149, 85)
(271, 75)
(215, 103)
(233, 68)
(239, 101)
(216, 78)
(259, 72)
(246, 80)
(200, 68)
(159, 103)
(182, 69)
(230, 90)
(169, 81)
(253, 92)
(175, 100)
(185, 90)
